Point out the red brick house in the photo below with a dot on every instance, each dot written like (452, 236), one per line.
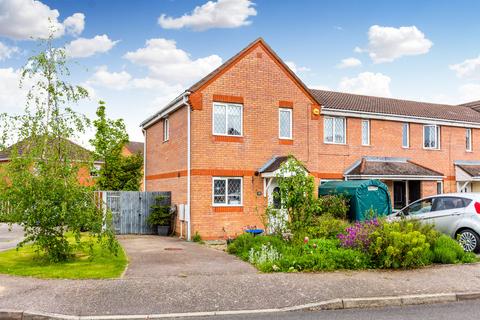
(217, 146)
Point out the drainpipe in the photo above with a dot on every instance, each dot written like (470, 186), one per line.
(144, 160)
(185, 100)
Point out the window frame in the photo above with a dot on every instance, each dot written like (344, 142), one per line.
(468, 140)
(440, 183)
(367, 121)
(437, 136)
(333, 128)
(166, 129)
(290, 111)
(407, 125)
(226, 105)
(226, 204)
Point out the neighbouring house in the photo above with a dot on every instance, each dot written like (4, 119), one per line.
(134, 147)
(218, 146)
(86, 173)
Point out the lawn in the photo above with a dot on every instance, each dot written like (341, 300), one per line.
(101, 264)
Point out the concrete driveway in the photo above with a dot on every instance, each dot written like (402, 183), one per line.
(153, 257)
(10, 237)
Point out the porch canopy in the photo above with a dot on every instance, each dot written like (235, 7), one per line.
(466, 174)
(271, 170)
(386, 168)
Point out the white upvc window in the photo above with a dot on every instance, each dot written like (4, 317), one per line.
(365, 132)
(285, 123)
(405, 135)
(468, 139)
(334, 130)
(166, 129)
(227, 119)
(227, 191)
(439, 187)
(431, 136)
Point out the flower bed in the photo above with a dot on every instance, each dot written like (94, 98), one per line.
(371, 244)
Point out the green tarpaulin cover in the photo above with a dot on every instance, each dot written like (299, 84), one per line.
(363, 195)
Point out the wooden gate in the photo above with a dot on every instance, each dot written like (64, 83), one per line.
(130, 209)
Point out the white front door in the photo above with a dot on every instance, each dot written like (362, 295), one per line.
(276, 221)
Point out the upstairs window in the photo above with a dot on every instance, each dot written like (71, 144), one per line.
(468, 139)
(405, 135)
(227, 119)
(166, 129)
(365, 132)
(285, 123)
(227, 191)
(334, 130)
(431, 136)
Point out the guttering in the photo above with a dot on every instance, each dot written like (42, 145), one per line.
(393, 117)
(172, 106)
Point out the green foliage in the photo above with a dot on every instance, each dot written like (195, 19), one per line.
(447, 250)
(40, 183)
(160, 214)
(399, 245)
(197, 237)
(334, 205)
(326, 226)
(118, 172)
(297, 194)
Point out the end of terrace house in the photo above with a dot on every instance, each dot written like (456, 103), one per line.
(218, 145)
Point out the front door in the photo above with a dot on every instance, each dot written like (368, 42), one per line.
(399, 194)
(278, 216)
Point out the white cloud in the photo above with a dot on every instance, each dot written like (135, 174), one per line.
(349, 63)
(467, 68)
(75, 24)
(11, 95)
(28, 19)
(82, 47)
(219, 14)
(6, 51)
(296, 69)
(111, 80)
(368, 83)
(469, 92)
(386, 44)
(172, 65)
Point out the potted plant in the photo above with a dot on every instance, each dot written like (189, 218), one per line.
(160, 217)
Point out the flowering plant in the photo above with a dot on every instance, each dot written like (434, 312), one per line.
(357, 236)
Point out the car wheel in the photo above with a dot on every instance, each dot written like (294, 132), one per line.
(469, 240)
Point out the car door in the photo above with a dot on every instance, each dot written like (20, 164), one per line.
(417, 209)
(446, 212)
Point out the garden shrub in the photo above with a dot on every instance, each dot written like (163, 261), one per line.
(242, 244)
(358, 236)
(334, 205)
(447, 250)
(326, 226)
(399, 245)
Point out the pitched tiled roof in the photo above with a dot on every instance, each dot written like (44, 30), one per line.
(475, 105)
(273, 164)
(135, 147)
(392, 167)
(389, 106)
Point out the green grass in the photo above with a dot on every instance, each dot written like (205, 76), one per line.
(100, 265)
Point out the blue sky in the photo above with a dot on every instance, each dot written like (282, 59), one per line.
(137, 55)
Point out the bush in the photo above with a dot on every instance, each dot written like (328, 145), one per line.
(242, 245)
(358, 236)
(447, 250)
(160, 215)
(399, 245)
(326, 226)
(197, 238)
(334, 205)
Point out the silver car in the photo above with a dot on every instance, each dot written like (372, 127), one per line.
(455, 214)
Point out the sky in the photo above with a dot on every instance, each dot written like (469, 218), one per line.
(138, 55)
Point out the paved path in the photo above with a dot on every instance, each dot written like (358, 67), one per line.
(10, 237)
(216, 282)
